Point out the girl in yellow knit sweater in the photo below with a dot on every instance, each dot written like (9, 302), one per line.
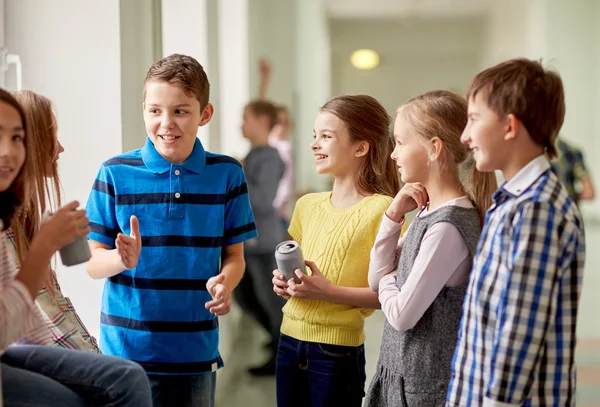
(320, 360)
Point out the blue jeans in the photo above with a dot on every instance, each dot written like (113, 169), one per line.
(183, 390)
(47, 376)
(319, 375)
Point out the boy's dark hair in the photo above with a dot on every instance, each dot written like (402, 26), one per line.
(262, 107)
(13, 197)
(533, 94)
(182, 71)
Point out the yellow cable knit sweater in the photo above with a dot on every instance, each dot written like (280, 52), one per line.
(339, 241)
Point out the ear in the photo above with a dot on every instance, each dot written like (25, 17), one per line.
(207, 113)
(362, 149)
(264, 119)
(437, 148)
(511, 127)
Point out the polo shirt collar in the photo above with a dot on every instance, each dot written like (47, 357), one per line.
(159, 165)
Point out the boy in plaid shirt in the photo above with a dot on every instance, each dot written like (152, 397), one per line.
(516, 343)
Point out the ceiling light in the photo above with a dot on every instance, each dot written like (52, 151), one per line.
(365, 59)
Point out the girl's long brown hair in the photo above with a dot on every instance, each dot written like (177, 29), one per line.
(42, 149)
(367, 120)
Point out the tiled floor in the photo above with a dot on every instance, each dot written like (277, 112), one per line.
(241, 347)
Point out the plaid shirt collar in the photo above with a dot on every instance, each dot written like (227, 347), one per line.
(518, 184)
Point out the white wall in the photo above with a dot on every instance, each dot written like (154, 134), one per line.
(271, 31)
(415, 57)
(140, 47)
(313, 85)
(184, 32)
(514, 28)
(234, 83)
(70, 51)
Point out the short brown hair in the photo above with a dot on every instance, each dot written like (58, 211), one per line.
(533, 94)
(183, 71)
(266, 108)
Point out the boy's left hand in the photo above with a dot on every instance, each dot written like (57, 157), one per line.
(221, 302)
(313, 287)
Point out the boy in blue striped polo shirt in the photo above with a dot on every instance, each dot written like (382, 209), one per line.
(168, 224)
(516, 342)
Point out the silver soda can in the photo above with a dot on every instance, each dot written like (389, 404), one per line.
(76, 252)
(288, 256)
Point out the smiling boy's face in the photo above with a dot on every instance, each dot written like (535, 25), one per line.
(172, 119)
(485, 134)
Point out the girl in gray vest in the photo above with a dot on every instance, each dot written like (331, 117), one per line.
(422, 277)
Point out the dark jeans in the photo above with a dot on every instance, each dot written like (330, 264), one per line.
(255, 294)
(47, 376)
(183, 390)
(318, 375)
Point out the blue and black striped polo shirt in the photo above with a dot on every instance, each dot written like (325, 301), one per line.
(154, 314)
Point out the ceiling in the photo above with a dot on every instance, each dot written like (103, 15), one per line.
(378, 9)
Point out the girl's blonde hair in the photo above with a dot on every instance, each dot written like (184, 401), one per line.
(367, 120)
(443, 114)
(42, 149)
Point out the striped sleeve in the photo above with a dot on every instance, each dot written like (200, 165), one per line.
(239, 220)
(528, 302)
(101, 209)
(17, 310)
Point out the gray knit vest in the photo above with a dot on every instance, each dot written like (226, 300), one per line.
(417, 362)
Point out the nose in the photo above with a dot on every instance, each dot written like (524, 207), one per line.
(60, 148)
(314, 145)
(464, 137)
(167, 121)
(8, 148)
(394, 155)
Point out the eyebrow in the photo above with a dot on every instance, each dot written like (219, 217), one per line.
(324, 130)
(18, 128)
(179, 105)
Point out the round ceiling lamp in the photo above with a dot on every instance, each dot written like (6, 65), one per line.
(364, 59)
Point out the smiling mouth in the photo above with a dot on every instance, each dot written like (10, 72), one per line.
(168, 137)
(320, 157)
(4, 171)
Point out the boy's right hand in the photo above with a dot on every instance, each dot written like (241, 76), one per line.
(130, 247)
(280, 284)
(62, 227)
(409, 198)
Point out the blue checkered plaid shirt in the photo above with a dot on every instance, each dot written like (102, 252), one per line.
(516, 344)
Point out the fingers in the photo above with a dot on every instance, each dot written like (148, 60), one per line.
(134, 226)
(125, 240)
(312, 266)
(278, 279)
(221, 309)
(69, 207)
(282, 292)
(213, 281)
(127, 250)
(277, 275)
(221, 304)
(418, 193)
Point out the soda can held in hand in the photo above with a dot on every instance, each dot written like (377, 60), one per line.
(76, 252)
(288, 256)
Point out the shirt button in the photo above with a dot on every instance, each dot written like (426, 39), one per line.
(177, 195)
(177, 172)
